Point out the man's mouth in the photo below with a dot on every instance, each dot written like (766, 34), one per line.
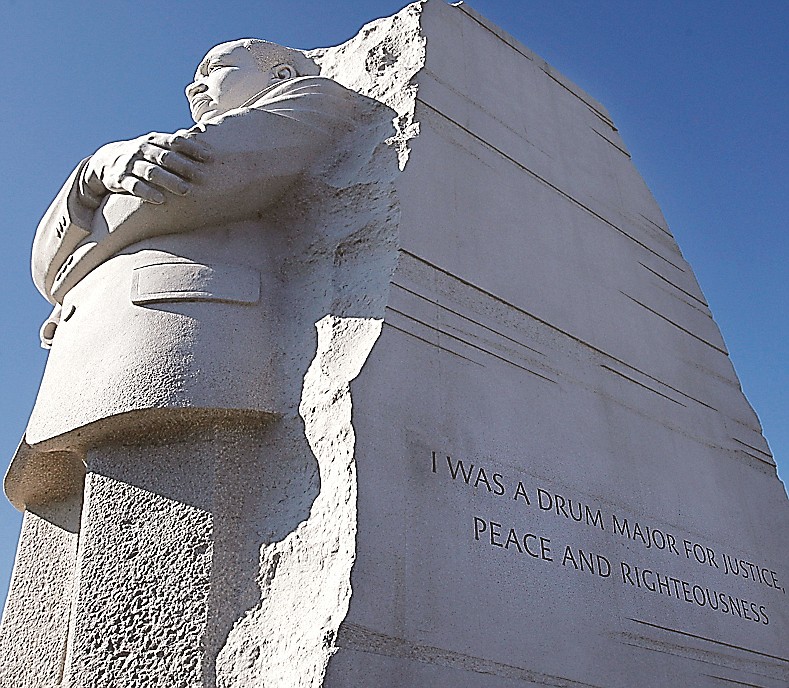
(199, 102)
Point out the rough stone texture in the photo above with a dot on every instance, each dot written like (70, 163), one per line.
(382, 61)
(484, 345)
(144, 569)
(40, 597)
(181, 525)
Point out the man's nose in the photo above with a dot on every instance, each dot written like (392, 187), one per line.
(194, 88)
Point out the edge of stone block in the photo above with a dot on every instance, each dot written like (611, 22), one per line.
(597, 107)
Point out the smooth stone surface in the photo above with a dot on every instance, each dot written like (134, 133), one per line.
(544, 330)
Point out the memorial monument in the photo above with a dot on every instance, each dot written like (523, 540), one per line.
(387, 372)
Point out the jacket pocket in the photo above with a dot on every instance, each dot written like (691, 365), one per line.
(169, 282)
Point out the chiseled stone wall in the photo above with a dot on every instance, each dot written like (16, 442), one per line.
(544, 330)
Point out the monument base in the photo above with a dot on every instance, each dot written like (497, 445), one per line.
(141, 583)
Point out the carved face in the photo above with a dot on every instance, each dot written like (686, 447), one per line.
(227, 78)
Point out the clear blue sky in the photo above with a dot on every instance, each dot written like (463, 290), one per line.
(699, 90)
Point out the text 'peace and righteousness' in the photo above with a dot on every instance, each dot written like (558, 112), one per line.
(492, 532)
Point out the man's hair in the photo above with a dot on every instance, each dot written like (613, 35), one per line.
(268, 55)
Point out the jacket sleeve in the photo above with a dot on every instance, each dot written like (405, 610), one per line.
(65, 224)
(258, 152)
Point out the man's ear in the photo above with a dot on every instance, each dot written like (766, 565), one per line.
(284, 71)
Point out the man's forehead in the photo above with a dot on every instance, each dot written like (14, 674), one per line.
(224, 50)
(244, 46)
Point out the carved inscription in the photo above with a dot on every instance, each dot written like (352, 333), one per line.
(519, 540)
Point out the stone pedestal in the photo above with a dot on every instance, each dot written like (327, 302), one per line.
(37, 612)
(144, 566)
(144, 588)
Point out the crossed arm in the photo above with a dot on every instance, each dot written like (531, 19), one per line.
(218, 172)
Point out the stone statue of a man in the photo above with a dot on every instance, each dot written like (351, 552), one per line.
(163, 255)
(214, 290)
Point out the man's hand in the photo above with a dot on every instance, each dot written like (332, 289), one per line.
(146, 167)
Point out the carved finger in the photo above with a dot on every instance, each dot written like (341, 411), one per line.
(137, 187)
(170, 160)
(191, 147)
(157, 176)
